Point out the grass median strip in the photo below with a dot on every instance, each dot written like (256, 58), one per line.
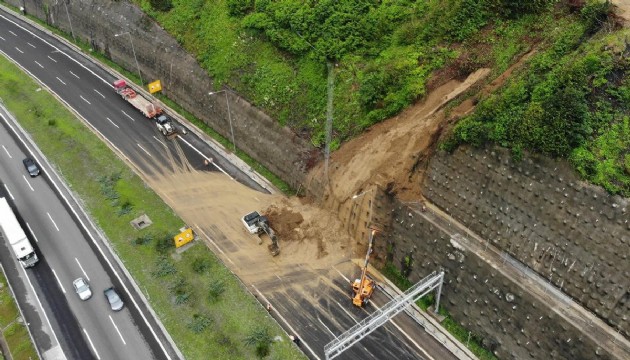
(201, 303)
(14, 332)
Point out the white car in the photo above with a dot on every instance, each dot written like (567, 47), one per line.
(82, 288)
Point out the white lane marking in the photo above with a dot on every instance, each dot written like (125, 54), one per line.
(143, 149)
(96, 91)
(32, 233)
(40, 65)
(14, 34)
(204, 156)
(53, 221)
(7, 151)
(119, 334)
(84, 99)
(160, 141)
(93, 227)
(51, 58)
(321, 322)
(83, 271)
(3, 39)
(56, 49)
(18, 49)
(213, 243)
(61, 81)
(292, 330)
(59, 281)
(27, 183)
(342, 275)
(31, 45)
(91, 344)
(343, 308)
(113, 123)
(127, 115)
(391, 321)
(11, 195)
(40, 306)
(75, 75)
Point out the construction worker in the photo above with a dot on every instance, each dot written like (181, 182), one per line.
(269, 307)
(295, 339)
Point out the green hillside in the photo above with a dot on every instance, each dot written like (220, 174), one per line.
(569, 100)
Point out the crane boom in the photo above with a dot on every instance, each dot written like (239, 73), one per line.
(364, 286)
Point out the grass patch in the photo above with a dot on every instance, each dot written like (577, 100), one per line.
(94, 173)
(15, 334)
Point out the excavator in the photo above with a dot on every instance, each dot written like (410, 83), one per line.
(259, 224)
(364, 287)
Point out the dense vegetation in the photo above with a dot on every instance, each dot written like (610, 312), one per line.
(275, 52)
(570, 102)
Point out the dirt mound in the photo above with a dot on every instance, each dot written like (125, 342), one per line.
(285, 222)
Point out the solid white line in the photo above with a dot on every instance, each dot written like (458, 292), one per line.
(59, 281)
(127, 115)
(84, 273)
(43, 311)
(91, 344)
(27, 183)
(14, 34)
(342, 275)
(40, 65)
(31, 45)
(204, 156)
(84, 99)
(119, 334)
(54, 47)
(109, 263)
(286, 322)
(61, 81)
(51, 58)
(7, 151)
(11, 195)
(32, 233)
(103, 96)
(143, 149)
(213, 243)
(321, 322)
(18, 49)
(53, 221)
(113, 123)
(75, 75)
(3, 39)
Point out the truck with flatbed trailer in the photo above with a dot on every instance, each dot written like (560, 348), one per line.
(12, 232)
(146, 107)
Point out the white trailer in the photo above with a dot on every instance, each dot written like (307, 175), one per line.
(12, 231)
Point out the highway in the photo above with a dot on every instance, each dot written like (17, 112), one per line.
(79, 329)
(86, 88)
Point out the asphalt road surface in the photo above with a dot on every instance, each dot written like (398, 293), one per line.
(317, 314)
(79, 329)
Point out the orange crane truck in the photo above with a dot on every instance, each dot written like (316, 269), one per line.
(364, 286)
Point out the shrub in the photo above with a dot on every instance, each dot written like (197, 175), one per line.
(164, 243)
(161, 5)
(260, 339)
(181, 290)
(163, 267)
(199, 323)
(143, 239)
(239, 7)
(201, 264)
(215, 289)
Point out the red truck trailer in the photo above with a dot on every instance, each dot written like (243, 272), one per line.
(148, 108)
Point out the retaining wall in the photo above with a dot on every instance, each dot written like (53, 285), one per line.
(184, 81)
(573, 234)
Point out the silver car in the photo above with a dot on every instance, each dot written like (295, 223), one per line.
(82, 288)
(115, 302)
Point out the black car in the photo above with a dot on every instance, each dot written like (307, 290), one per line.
(31, 167)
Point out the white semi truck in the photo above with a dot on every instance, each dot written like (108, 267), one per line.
(11, 230)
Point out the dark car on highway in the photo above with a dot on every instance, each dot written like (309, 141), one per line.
(31, 167)
(114, 300)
